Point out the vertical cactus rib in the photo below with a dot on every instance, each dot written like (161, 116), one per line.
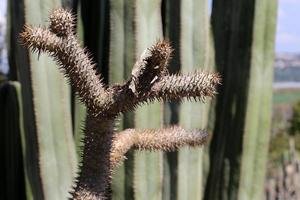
(194, 53)
(51, 108)
(79, 109)
(128, 121)
(95, 18)
(171, 22)
(244, 41)
(116, 75)
(28, 186)
(147, 165)
(232, 39)
(13, 176)
(18, 59)
(258, 129)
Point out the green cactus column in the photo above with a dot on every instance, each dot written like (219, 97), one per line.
(194, 54)
(121, 60)
(50, 150)
(171, 16)
(12, 173)
(79, 109)
(244, 43)
(187, 27)
(148, 165)
(116, 75)
(259, 109)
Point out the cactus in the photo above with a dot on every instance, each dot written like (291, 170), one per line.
(104, 149)
(258, 129)
(79, 109)
(121, 60)
(244, 41)
(12, 130)
(148, 165)
(194, 53)
(50, 158)
(193, 50)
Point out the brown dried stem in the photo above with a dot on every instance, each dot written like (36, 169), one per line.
(103, 149)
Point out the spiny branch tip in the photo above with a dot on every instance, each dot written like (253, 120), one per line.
(162, 50)
(61, 22)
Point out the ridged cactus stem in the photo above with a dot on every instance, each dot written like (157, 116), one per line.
(149, 81)
(244, 34)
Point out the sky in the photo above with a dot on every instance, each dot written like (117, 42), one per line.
(288, 26)
(2, 6)
(3, 55)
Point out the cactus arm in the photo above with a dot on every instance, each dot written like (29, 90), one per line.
(165, 139)
(73, 59)
(196, 85)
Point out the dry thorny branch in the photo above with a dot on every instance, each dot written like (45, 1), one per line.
(104, 149)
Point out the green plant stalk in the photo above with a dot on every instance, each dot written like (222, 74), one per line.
(12, 182)
(148, 165)
(129, 116)
(79, 108)
(18, 59)
(244, 42)
(194, 54)
(170, 167)
(29, 195)
(121, 61)
(116, 75)
(51, 102)
(259, 108)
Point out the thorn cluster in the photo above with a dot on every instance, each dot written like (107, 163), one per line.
(103, 148)
(61, 22)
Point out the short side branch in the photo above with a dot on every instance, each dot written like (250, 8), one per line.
(165, 139)
(197, 85)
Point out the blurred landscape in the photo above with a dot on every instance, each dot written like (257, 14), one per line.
(283, 159)
(286, 90)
